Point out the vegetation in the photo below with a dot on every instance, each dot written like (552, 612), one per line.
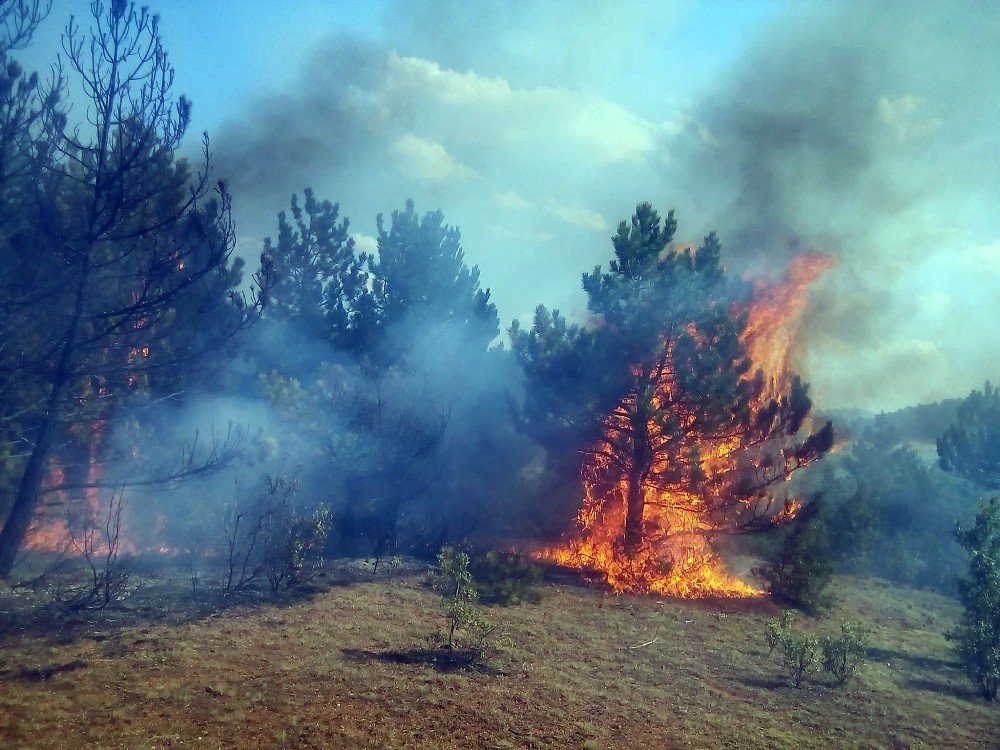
(971, 447)
(775, 630)
(111, 240)
(123, 306)
(505, 578)
(660, 385)
(801, 569)
(977, 636)
(800, 656)
(269, 676)
(273, 537)
(845, 655)
(888, 510)
(471, 637)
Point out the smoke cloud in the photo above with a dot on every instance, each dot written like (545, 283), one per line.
(862, 130)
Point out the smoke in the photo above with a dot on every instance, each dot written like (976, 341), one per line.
(862, 130)
(859, 130)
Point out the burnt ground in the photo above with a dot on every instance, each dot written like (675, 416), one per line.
(348, 664)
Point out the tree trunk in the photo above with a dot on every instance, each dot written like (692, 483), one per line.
(19, 518)
(635, 504)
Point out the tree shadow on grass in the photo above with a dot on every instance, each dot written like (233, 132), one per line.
(942, 688)
(40, 673)
(914, 660)
(439, 659)
(766, 683)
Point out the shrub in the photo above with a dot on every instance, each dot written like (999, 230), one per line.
(844, 656)
(506, 578)
(978, 634)
(271, 536)
(293, 539)
(776, 630)
(851, 526)
(471, 638)
(802, 566)
(800, 655)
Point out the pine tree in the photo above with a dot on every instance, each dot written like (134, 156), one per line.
(131, 236)
(661, 383)
(972, 446)
(978, 634)
(420, 279)
(321, 285)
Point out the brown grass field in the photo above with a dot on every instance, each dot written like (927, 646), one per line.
(589, 671)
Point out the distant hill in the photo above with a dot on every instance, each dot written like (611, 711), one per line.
(920, 424)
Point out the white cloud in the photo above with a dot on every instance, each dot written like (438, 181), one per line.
(428, 160)
(489, 110)
(365, 242)
(511, 200)
(574, 214)
(578, 216)
(902, 115)
(983, 257)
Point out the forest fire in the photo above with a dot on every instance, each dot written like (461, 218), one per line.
(676, 556)
(90, 520)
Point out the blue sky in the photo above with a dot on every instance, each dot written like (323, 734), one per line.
(864, 130)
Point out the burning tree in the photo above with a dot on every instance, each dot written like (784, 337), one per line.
(117, 244)
(682, 438)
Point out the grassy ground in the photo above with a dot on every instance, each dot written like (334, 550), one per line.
(590, 671)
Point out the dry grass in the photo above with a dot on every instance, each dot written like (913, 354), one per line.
(328, 673)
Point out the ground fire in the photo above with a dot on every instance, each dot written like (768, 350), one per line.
(644, 536)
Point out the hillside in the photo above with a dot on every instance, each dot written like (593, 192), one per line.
(344, 670)
(919, 425)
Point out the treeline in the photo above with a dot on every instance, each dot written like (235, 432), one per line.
(125, 311)
(376, 383)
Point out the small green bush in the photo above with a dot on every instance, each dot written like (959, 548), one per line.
(800, 656)
(801, 569)
(506, 578)
(776, 630)
(471, 638)
(845, 655)
(842, 656)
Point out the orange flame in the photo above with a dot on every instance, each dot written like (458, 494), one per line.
(677, 558)
(54, 533)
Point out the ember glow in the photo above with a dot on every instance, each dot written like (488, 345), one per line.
(676, 557)
(86, 522)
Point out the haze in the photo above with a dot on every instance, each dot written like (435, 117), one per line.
(866, 131)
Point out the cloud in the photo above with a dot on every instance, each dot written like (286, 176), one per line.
(512, 201)
(578, 216)
(903, 116)
(429, 161)
(983, 258)
(365, 242)
(860, 130)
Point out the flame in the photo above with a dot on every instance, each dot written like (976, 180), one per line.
(54, 534)
(775, 317)
(676, 557)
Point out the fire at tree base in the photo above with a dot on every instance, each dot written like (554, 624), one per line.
(682, 564)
